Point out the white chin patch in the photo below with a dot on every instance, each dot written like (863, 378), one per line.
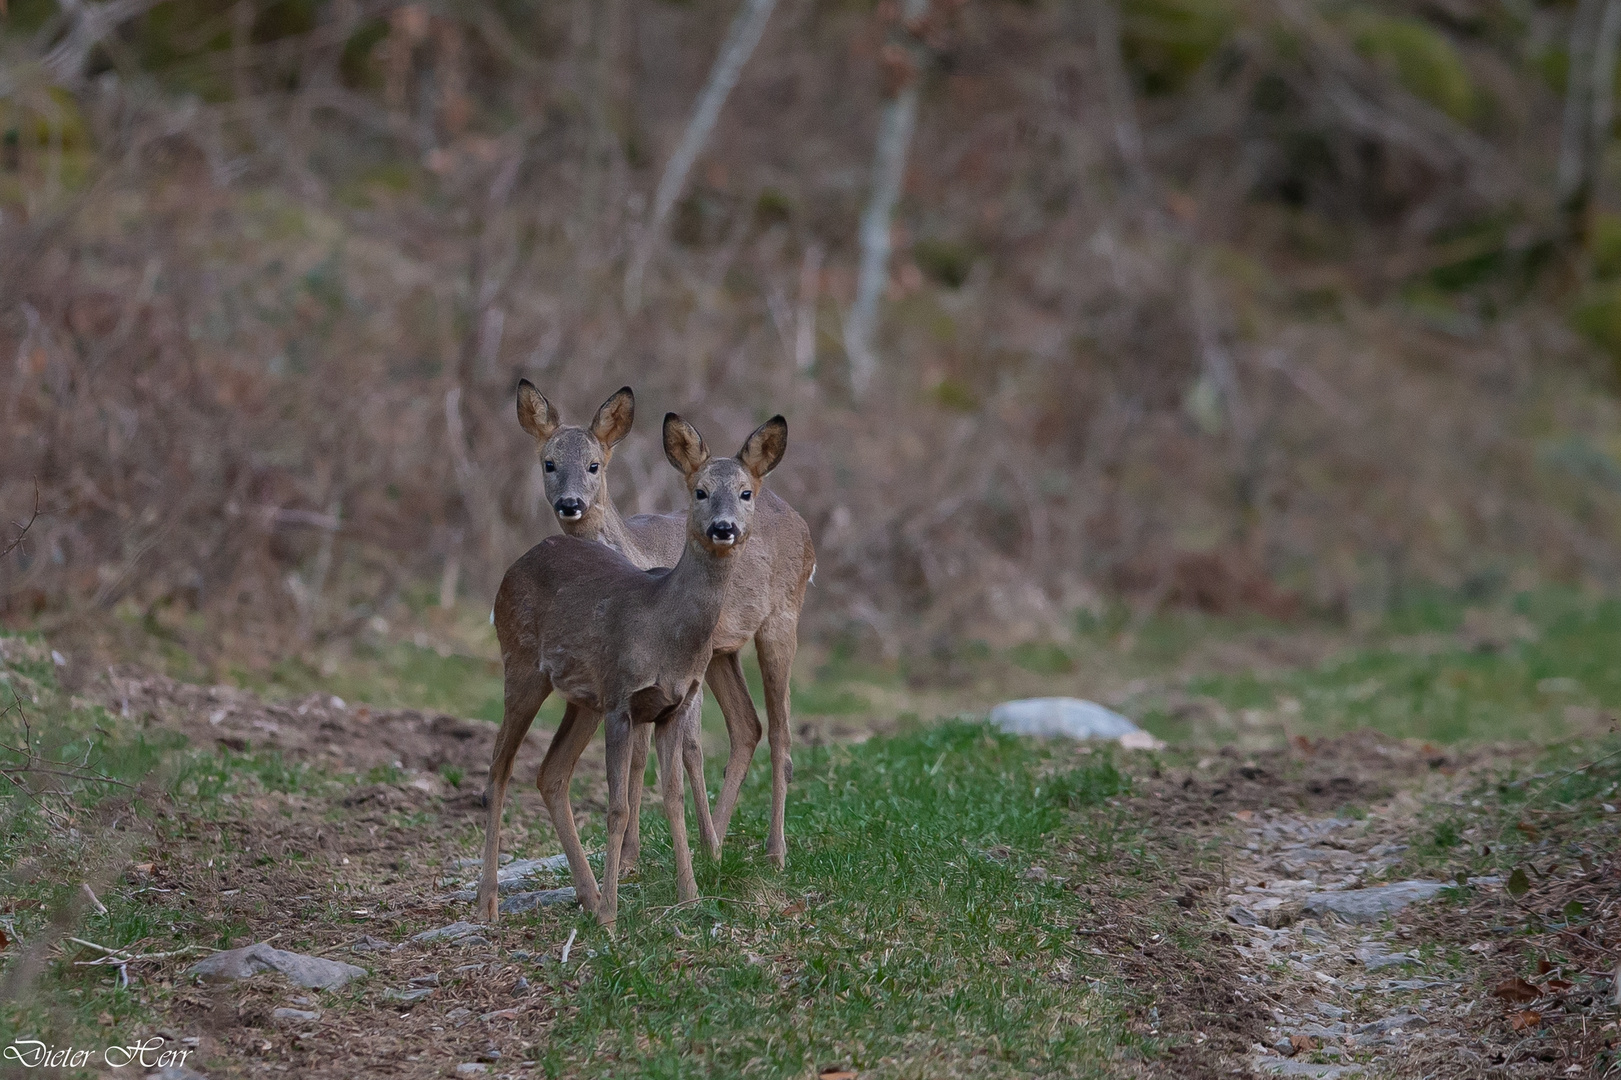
(727, 542)
(571, 515)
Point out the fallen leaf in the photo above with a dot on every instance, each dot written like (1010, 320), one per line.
(835, 1074)
(1518, 884)
(105, 1019)
(1560, 984)
(1302, 743)
(794, 908)
(1481, 947)
(1302, 1043)
(1531, 831)
(1244, 815)
(1516, 989)
(1574, 910)
(1523, 1021)
(1544, 966)
(5, 942)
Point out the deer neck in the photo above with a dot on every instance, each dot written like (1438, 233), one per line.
(603, 525)
(693, 592)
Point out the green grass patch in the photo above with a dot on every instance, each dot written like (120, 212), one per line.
(903, 937)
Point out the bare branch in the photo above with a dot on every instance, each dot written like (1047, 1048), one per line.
(23, 526)
(744, 35)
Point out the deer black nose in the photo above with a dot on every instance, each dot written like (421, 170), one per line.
(723, 531)
(570, 508)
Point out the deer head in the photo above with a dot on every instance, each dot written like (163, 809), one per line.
(722, 491)
(575, 459)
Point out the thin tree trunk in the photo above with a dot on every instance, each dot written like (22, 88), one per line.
(1603, 110)
(1575, 130)
(1128, 135)
(895, 127)
(747, 27)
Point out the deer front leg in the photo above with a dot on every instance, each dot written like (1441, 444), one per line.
(670, 747)
(692, 756)
(573, 734)
(725, 678)
(638, 784)
(617, 729)
(775, 644)
(523, 699)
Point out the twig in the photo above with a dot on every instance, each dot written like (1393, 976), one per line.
(120, 961)
(569, 944)
(95, 901)
(1571, 772)
(23, 526)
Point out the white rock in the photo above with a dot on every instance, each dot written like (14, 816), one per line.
(1067, 718)
(244, 963)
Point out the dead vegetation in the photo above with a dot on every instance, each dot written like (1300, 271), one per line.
(1249, 307)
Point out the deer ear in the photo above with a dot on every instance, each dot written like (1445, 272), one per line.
(535, 413)
(614, 418)
(683, 445)
(764, 449)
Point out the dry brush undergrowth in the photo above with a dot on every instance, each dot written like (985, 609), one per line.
(1250, 306)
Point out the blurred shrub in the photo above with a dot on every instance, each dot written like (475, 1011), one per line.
(1090, 784)
(1421, 58)
(1167, 41)
(1598, 317)
(945, 261)
(1604, 246)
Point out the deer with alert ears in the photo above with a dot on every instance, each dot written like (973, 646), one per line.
(625, 643)
(763, 598)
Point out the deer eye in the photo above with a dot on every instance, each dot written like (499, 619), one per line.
(700, 494)
(595, 465)
(745, 495)
(551, 466)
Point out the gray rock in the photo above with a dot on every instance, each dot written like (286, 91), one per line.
(408, 997)
(1371, 905)
(175, 1072)
(472, 1068)
(295, 1014)
(529, 901)
(366, 943)
(1274, 1067)
(458, 1015)
(1393, 1023)
(1333, 1012)
(1059, 717)
(1323, 1031)
(1373, 957)
(426, 980)
(244, 963)
(515, 875)
(454, 932)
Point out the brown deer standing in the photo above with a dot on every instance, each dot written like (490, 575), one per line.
(628, 644)
(763, 597)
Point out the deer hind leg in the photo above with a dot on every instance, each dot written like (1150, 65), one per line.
(692, 757)
(618, 730)
(524, 696)
(725, 677)
(776, 643)
(638, 785)
(573, 734)
(671, 748)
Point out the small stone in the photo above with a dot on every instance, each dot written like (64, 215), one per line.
(366, 943)
(426, 980)
(454, 932)
(471, 1068)
(529, 901)
(1286, 1047)
(502, 1014)
(244, 963)
(407, 997)
(1333, 1012)
(295, 1014)
(1373, 957)
(519, 954)
(1036, 873)
(1393, 1023)
(458, 1014)
(520, 987)
(1371, 905)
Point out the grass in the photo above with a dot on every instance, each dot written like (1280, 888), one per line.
(1537, 667)
(903, 938)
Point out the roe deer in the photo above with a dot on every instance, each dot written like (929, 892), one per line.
(763, 597)
(625, 643)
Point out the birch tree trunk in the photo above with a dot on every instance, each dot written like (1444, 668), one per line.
(747, 27)
(895, 126)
